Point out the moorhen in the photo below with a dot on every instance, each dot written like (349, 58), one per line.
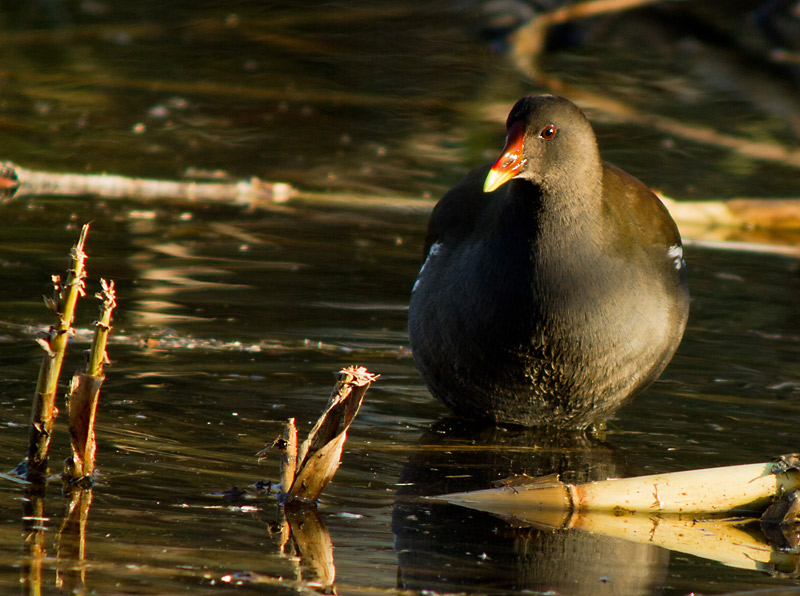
(554, 287)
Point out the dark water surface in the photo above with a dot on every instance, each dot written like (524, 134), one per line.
(231, 321)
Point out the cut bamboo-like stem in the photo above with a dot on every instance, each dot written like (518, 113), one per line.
(54, 343)
(85, 393)
(748, 487)
(288, 456)
(707, 513)
(319, 455)
(98, 357)
(308, 468)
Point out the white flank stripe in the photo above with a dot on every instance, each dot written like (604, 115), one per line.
(676, 254)
(436, 248)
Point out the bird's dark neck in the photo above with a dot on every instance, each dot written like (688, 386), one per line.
(561, 210)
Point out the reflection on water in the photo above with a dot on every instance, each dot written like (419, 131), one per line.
(450, 549)
(187, 407)
(231, 321)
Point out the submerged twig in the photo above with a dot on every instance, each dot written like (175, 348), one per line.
(54, 343)
(222, 90)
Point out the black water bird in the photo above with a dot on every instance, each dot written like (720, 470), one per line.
(554, 287)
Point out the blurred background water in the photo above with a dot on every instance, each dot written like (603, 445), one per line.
(232, 320)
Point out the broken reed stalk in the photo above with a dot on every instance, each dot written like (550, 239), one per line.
(54, 342)
(306, 470)
(288, 455)
(85, 392)
(319, 455)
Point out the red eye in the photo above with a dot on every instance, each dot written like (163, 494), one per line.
(548, 132)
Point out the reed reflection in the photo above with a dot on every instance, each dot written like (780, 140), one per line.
(448, 548)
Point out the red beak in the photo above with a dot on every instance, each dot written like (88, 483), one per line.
(510, 162)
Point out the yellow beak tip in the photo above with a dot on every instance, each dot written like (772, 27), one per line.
(495, 180)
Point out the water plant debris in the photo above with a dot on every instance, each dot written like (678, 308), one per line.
(714, 512)
(308, 468)
(84, 394)
(750, 487)
(84, 388)
(54, 343)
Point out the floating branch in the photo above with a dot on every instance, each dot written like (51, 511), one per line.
(765, 214)
(251, 193)
(711, 513)
(738, 213)
(246, 193)
(750, 487)
(85, 393)
(307, 470)
(54, 343)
